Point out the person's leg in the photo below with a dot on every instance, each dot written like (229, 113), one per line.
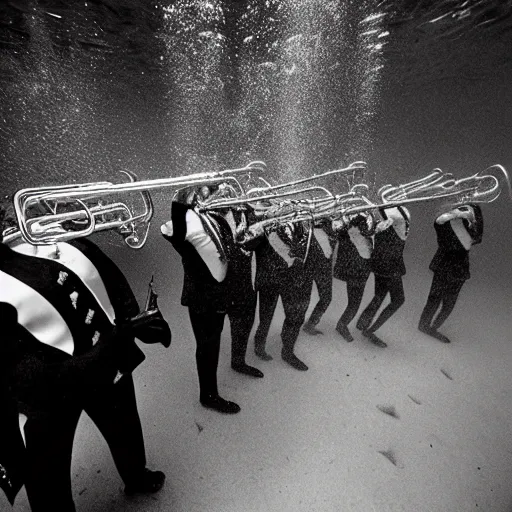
(295, 304)
(207, 327)
(241, 320)
(355, 292)
(433, 302)
(323, 280)
(447, 306)
(381, 290)
(268, 298)
(397, 298)
(49, 441)
(114, 412)
(449, 299)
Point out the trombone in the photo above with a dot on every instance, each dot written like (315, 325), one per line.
(48, 228)
(482, 187)
(257, 195)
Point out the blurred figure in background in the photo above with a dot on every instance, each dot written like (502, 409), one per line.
(352, 265)
(457, 230)
(319, 266)
(280, 272)
(388, 267)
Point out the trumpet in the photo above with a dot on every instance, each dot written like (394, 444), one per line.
(40, 222)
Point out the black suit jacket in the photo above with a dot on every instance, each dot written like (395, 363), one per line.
(36, 378)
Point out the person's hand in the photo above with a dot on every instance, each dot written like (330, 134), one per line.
(257, 229)
(338, 225)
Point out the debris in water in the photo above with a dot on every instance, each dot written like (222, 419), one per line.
(415, 400)
(389, 410)
(446, 374)
(389, 454)
(200, 427)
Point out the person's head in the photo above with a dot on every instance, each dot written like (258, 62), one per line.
(186, 195)
(205, 192)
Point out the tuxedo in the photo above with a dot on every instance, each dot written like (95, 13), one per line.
(63, 352)
(217, 282)
(353, 265)
(319, 266)
(388, 266)
(280, 261)
(450, 266)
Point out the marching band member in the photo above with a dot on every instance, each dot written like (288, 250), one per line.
(388, 267)
(217, 281)
(319, 264)
(280, 273)
(68, 346)
(457, 230)
(353, 265)
(242, 312)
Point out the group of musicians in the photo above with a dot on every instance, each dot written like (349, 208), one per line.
(70, 319)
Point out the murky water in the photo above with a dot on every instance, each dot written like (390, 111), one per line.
(89, 88)
(169, 88)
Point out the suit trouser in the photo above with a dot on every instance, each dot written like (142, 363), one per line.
(383, 285)
(355, 292)
(49, 440)
(241, 319)
(207, 327)
(443, 294)
(295, 298)
(322, 277)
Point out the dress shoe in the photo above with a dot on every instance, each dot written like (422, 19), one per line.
(220, 405)
(294, 361)
(374, 339)
(345, 333)
(263, 354)
(311, 329)
(147, 483)
(435, 334)
(245, 369)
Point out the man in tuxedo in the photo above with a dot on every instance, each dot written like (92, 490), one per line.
(67, 346)
(280, 261)
(217, 282)
(319, 265)
(388, 267)
(352, 265)
(457, 230)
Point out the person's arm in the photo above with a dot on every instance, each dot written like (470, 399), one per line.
(476, 228)
(281, 248)
(250, 237)
(167, 228)
(458, 213)
(382, 225)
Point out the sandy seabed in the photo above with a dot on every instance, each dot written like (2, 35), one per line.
(419, 426)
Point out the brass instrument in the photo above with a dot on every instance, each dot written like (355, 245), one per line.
(271, 192)
(149, 325)
(47, 215)
(41, 223)
(482, 187)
